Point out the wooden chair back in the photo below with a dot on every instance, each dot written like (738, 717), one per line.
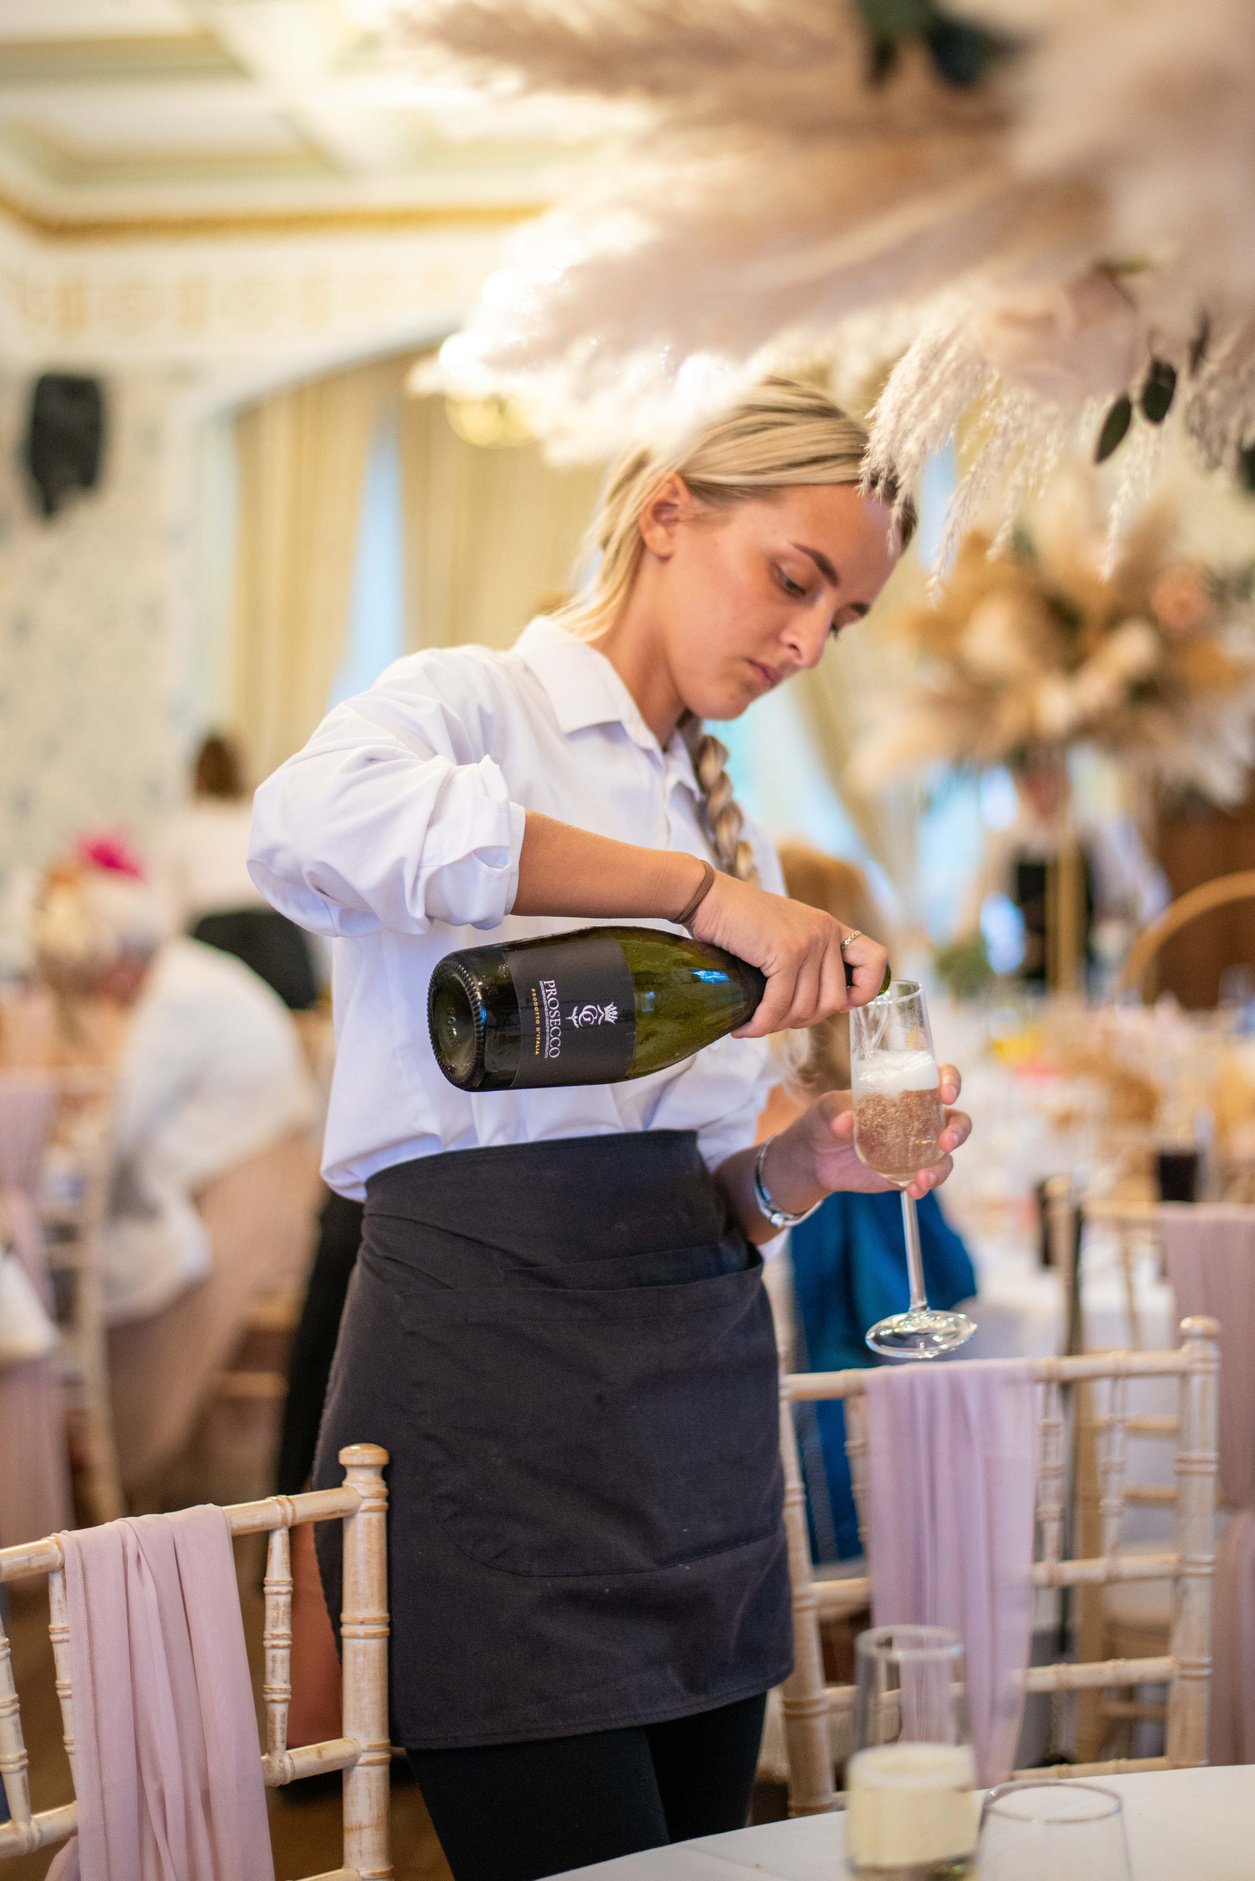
(363, 1752)
(75, 1255)
(809, 1701)
(1222, 892)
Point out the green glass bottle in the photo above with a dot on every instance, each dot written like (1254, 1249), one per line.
(595, 1006)
(591, 1007)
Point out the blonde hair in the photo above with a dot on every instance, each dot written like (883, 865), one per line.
(782, 432)
(85, 920)
(842, 890)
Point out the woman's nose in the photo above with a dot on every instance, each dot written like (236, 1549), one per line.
(806, 639)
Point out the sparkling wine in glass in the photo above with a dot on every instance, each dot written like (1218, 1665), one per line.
(898, 1121)
(913, 1812)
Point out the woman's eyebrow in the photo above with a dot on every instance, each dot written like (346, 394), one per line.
(821, 562)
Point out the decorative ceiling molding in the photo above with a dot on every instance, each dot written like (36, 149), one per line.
(316, 296)
(198, 225)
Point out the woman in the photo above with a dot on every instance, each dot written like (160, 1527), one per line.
(847, 1261)
(556, 1323)
(205, 865)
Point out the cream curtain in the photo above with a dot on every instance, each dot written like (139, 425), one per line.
(490, 534)
(301, 457)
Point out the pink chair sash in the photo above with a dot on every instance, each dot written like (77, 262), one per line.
(952, 1476)
(34, 1469)
(1211, 1263)
(166, 1760)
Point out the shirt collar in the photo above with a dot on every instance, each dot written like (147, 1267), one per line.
(585, 690)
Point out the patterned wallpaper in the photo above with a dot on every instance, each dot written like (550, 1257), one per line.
(90, 611)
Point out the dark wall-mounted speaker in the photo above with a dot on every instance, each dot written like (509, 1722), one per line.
(65, 438)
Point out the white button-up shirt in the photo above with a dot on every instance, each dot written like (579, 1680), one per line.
(398, 829)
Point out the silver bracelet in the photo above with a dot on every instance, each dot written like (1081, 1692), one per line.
(770, 1208)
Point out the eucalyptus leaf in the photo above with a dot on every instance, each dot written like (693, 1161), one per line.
(1114, 428)
(1158, 391)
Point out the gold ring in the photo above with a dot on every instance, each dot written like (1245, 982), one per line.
(856, 935)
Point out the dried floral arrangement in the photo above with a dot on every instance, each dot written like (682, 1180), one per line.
(1047, 203)
(1030, 648)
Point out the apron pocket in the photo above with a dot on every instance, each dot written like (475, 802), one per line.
(571, 1431)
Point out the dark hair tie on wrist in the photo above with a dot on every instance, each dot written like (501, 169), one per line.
(685, 916)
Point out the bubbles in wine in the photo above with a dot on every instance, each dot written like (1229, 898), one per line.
(897, 1113)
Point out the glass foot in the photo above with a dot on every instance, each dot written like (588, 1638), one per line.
(920, 1334)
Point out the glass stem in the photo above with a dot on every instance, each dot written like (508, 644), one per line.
(914, 1258)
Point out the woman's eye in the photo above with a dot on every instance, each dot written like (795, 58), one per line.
(790, 586)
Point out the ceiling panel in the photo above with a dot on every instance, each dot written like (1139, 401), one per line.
(120, 106)
(91, 19)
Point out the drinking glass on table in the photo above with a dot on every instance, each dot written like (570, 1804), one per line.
(912, 1810)
(1056, 1831)
(898, 1121)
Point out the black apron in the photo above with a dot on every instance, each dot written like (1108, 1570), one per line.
(568, 1352)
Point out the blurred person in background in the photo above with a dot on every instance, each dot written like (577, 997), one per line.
(204, 865)
(212, 1180)
(848, 1260)
(209, 1067)
(1121, 888)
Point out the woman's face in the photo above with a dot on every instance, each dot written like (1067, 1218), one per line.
(745, 597)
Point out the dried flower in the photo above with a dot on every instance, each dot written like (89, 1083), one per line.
(1180, 600)
(1065, 343)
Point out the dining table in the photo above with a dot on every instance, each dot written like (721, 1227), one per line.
(1181, 1825)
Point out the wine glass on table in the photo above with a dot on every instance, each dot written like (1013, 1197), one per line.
(913, 1809)
(898, 1121)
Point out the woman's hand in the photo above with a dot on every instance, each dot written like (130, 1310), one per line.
(798, 948)
(815, 1155)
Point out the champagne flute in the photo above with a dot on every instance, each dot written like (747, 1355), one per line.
(1053, 1832)
(913, 1812)
(898, 1120)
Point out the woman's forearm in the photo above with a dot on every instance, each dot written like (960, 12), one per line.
(564, 870)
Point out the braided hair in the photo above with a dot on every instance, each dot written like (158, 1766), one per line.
(781, 432)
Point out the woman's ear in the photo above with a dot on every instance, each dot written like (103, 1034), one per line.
(670, 506)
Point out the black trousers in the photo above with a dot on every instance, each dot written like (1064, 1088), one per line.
(515, 1812)
(314, 1345)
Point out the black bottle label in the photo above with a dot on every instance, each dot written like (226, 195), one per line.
(577, 1012)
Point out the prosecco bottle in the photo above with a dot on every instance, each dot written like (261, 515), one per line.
(596, 1006)
(591, 1007)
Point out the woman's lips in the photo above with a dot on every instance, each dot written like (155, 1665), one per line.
(768, 674)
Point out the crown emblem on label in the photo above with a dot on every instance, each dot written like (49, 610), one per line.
(592, 1014)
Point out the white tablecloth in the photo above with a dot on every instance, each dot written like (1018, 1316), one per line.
(1182, 1825)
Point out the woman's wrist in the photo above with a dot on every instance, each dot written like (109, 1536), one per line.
(788, 1171)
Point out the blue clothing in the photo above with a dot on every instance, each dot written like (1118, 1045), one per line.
(849, 1270)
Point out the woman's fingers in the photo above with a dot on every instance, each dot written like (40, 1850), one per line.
(930, 1178)
(775, 1006)
(834, 994)
(950, 1084)
(868, 960)
(957, 1131)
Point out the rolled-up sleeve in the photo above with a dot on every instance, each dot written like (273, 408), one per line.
(393, 815)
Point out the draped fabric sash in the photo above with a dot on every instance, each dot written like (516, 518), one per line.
(166, 1760)
(1210, 1254)
(952, 1468)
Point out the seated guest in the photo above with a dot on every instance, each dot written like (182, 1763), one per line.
(204, 872)
(848, 1259)
(214, 1175)
(210, 1069)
